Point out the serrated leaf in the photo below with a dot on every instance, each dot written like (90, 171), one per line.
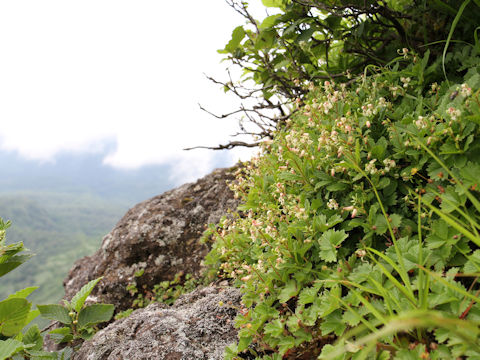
(285, 343)
(307, 295)
(13, 316)
(333, 323)
(274, 328)
(55, 312)
(94, 314)
(9, 347)
(33, 336)
(351, 318)
(79, 299)
(329, 242)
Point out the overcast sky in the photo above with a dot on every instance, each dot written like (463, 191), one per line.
(76, 75)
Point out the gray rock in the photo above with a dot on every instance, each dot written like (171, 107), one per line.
(196, 327)
(159, 235)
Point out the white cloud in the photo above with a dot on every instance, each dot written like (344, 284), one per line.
(76, 74)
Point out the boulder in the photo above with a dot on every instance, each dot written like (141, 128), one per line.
(159, 236)
(199, 326)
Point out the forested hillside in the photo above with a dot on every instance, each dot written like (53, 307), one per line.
(62, 209)
(58, 229)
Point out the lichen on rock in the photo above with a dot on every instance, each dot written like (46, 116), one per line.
(199, 326)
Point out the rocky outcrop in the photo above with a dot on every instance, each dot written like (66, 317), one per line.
(160, 236)
(199, 326)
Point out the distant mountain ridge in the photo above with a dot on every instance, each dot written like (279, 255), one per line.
(82, 173)
(62, 209)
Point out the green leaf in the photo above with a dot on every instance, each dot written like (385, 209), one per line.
(244, 342)
(23, 293)
(237, 36)
(9, 347)
(13, 316)
(42, 355)
(13, 262)
(289, 291)
(329, 242)
(269, 21)
(333, 323)
(308, 295)
(33, 336)
(65, 354)
(61, 335)
(32, 315)
(95, 314)
(55, 312)
(285, 343)
(274, 328)
(79, 299)
(273, 3)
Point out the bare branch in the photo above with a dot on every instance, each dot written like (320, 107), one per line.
(228, 146)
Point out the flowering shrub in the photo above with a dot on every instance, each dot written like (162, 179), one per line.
(359, 235)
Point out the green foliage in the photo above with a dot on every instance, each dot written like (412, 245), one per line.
(359, 232)
(166, 292)
(18, 340)
(315, 41)
(80, 319)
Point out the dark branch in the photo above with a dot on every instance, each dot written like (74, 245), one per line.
(228, 146)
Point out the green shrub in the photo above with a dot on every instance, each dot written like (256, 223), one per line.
(360, 229)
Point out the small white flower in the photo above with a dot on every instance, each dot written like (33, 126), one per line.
(332, 204)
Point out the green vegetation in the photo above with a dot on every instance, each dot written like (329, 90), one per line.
(19, 342)
(359, 235)
(80, 319)
(58, 228)
(166, 292)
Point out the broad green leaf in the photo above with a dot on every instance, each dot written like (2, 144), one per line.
(269, 21)
(94, 314)
(55, 312)
(79, 299)
(289, 291)
(13, 315)
(237, 36)
(12, 263)
(9, 347)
